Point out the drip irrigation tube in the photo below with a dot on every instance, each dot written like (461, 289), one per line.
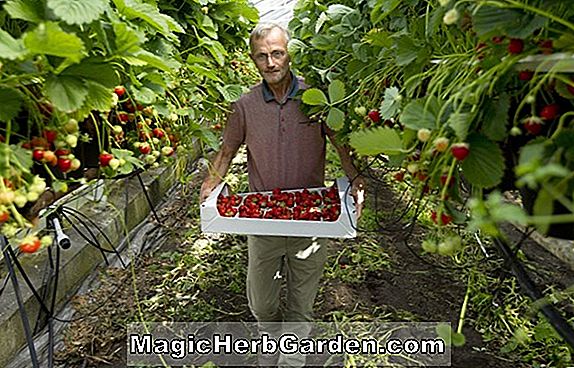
(559, 323)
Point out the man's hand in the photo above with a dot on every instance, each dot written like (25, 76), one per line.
(206, 188)
(358, 189)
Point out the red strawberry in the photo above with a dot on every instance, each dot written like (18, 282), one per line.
(64, 164)
(120, 91)
(445, 219)
(158, 133)
(123, 117)
(145, 148)
(525, 75)
(38, 154)
(460, 150)
(62, 152)
(50, 135)
(533, 125)
(550, 112)
(546, 46)
(374, 116)
(105, 158)
(516, 46)
(30, 245)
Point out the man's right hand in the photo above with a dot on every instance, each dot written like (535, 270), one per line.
(206, 189)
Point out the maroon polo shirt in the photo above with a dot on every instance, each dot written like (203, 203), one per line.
(284, 149)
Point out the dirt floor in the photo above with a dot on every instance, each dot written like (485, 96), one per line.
(405, 287)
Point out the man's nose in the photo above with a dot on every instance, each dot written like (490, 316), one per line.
(269, 60)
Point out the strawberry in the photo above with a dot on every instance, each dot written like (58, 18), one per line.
(38, 154)
(375, 116)
(460, 150)
(50, 135)
(445, 219)
(533, 125)
(497, 39)
(123, 117)
(62, 152)
(444, 180)
(441, 144)
(546, 46)
(4, 216)
(158, 133)
(50, 157)
(550, 112)
(64, 164)
(167, 151)
(120, 91)
(145, 148)
(105, 158)
(399, 176)
(516, 46)
(525, 75)
(30, 244)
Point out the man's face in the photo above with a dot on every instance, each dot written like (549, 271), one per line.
(271, 58)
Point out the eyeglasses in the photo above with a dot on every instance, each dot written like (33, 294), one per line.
(275, 55)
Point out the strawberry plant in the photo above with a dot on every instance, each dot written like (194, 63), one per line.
(469, 79)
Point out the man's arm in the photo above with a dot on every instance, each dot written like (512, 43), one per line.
(217, 170)
(358, 184)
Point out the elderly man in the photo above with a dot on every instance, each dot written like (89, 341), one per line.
(287, 151)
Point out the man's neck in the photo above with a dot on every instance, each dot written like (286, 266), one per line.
(280, 90)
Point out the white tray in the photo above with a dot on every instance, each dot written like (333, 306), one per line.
(344, 227)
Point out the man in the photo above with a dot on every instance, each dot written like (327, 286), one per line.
(287, 151)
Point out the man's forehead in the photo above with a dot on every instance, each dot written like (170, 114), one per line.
(273, 37)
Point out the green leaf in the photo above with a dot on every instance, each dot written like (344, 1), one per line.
(67, 93)
(338, 11)
(496, 118)
(50, 39)
(314, 97)
(143, 95)
(208, 27)
(157, 61)
(458, 339)
(490, 20)
(336, 91)
(484, 166)
(99, 98)
(323, 43)
(391, 103)
(200, 70)
(460, 122)
(134, 9)
(371, 142)
(20, 157)
(418, 116)
(96, 70)
(383, 9)
(406, 50)
(335, 118)
(28, 10)
(444, 331)
(78, 11)
(11, 103)
(127, 39)
(216, 50)
(10, 48)
(231, 92)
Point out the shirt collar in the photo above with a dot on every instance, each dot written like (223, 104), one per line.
(293, 89)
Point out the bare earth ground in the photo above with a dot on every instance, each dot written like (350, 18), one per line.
(404, 288)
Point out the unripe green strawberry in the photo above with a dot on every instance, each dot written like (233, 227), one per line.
(441, 144)
(71, 126)
(20, 200)
(72, 140)
(423, 134)
(114, 163)
(32, 196)
(361, 110)
(117, 129)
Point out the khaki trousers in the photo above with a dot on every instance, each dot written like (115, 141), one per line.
(300, 261)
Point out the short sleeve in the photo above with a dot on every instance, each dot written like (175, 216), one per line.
(234, 132)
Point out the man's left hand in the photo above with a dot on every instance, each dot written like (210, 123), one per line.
(358, 189)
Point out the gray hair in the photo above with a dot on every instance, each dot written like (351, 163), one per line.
(263, 29)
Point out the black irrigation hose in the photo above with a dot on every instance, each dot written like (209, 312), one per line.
(8, 256)
(559, 323)
(151, 206)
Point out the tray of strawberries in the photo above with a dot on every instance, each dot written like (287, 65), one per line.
(316, 212)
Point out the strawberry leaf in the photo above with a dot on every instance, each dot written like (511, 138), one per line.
(374, 141)
(314, 97)
(335, 118)
(484, 166)
(390, 104)
(336, 91)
